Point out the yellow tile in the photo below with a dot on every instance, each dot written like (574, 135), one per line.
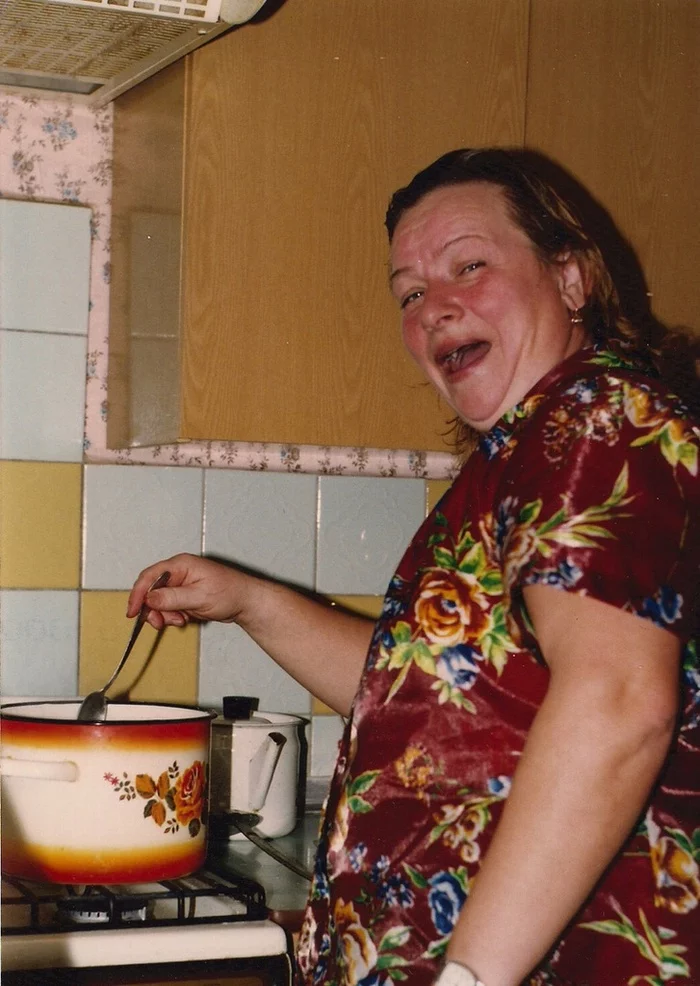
(365, 606)
(161, 667)
(319, 708)
(40, 525)
(434, 489)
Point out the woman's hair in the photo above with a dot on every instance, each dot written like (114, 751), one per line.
(551, 222)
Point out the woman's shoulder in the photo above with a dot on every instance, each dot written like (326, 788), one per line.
(608, 367)
(593, 413)
(605, 385)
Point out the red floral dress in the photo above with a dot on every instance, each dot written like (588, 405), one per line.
(589, 485)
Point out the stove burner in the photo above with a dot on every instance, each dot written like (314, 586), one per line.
(97, 909)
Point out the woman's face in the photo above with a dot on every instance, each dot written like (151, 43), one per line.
(482, 316)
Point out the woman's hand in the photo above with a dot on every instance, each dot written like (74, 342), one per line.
(198, 589)
(321, 646)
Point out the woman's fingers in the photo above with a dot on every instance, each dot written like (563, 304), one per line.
(159, 620)
(178, 566)
(175, 602)
(198, 589)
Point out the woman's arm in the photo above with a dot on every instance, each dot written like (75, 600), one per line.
(322, 647)
(592, 755)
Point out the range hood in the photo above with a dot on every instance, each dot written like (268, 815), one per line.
(98, 49)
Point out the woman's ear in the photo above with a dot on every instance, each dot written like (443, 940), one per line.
(573, 279)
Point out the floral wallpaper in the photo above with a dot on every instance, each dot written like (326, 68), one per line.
(60, 150)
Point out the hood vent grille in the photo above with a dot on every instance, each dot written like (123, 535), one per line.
(100, 48)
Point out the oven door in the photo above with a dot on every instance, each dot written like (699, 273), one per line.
(274, 970)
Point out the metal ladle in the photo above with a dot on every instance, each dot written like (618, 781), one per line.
(94, 706)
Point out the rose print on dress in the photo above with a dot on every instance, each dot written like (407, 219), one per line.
(675, 859)
(174, 800)
(676, 439)
(358, 950)
(675, 864)
(452, 611)
(365, 963)
(451, 607)
(664, 607)
(416, 770)
(460, 825)
(447, 891)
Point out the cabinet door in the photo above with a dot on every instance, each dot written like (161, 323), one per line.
(298, 128)
(614, 96)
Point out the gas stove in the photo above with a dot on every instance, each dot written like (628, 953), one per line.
(204, 928)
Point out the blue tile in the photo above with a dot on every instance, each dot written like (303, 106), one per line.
(365, 525)
(39, 643)
(44, 266)
(136, 515)
(42, 396)
(230, 663)
(326, 733)
(266, 521)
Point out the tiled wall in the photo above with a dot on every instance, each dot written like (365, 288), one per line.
(73, 536)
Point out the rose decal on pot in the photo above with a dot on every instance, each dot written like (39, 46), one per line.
(176, 799)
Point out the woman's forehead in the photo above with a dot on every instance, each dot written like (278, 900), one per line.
(476, 210)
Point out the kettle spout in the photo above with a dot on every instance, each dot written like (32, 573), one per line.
(262, 769)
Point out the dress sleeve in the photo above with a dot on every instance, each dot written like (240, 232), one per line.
(602, 497)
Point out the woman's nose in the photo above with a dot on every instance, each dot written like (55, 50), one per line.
(438, 308)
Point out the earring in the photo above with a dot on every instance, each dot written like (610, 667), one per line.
(576, 316)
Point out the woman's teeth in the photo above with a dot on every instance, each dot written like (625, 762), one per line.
(463, 356)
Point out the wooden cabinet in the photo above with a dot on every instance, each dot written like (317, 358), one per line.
(614, 96)
(255, 305)
(249, 294)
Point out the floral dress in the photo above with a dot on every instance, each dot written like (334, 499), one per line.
(589, 485)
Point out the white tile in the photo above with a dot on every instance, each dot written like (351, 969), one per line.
(266, 521)
(230, 663)
(44, 266)
(39, 642)
(365, 525)
(42, 396)
(134, 516)
(326, 733)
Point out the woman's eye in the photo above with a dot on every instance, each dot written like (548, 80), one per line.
(410, 298)
(472, 266)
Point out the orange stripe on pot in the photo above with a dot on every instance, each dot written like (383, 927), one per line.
(187, 733)
(74, 866)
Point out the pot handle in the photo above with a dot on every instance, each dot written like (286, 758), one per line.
(45, 770)
(262, 767)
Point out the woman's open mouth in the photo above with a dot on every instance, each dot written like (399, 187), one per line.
(462, 357)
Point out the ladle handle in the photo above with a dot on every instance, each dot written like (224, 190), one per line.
(138, 625)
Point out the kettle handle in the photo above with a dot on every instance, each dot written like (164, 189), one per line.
(262, 767)
(44, 770)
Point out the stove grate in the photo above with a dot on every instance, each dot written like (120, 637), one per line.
(202, 898)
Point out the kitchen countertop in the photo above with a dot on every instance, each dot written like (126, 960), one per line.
(285, 890)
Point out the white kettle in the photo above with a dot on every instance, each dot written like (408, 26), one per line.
(254, 763)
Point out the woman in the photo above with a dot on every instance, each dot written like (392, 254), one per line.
(516, 798)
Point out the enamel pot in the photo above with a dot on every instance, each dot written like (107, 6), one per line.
(119, 801)
(255, 764)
